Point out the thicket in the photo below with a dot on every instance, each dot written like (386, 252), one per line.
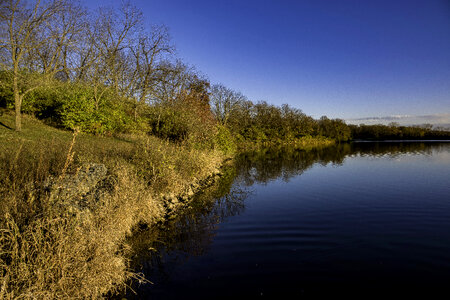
(255, 125)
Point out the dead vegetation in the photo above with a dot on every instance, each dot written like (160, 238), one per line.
(51, 249)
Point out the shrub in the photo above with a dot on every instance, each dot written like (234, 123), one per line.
(224, 140)
(185, 120)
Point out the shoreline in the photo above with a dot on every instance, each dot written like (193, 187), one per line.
(72, 217)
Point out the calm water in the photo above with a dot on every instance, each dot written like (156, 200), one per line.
(359, 219)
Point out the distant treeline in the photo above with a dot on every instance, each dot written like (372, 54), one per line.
(394, 131)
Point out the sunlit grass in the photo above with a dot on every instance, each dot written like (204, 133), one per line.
(47, 251)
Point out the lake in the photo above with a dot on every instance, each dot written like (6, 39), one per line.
(357, 219)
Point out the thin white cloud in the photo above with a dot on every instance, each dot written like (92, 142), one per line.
(435, 119)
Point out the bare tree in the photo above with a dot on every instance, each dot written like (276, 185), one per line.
(223, 102)
(114, 36)
(68, 28)
(104, 57)
(85, 53)
(149, 51)
(172, 80)
(20, 26)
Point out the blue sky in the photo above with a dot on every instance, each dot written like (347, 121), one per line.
(344, 59)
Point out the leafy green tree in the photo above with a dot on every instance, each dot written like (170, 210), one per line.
(22, 26)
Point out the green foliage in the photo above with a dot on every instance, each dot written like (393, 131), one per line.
(186, 120)
(395, 131)
(79, 109)
(224, 141)
(334, 129)
(168, 123)
(263, 124)
(71, 105)
(6, 92)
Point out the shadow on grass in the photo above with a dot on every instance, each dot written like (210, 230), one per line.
(4, 125)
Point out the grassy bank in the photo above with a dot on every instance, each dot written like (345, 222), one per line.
(52, 248)
(60, 241)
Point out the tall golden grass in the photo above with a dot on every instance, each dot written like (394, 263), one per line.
(49, 251)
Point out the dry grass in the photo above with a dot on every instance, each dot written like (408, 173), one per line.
(48, 251)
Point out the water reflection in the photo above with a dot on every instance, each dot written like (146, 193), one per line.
(158, 251)
(272, 164)
(190, 233)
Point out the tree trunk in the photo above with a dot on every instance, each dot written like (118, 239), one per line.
(17, 104)
(18, 118)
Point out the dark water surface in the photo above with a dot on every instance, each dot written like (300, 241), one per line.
(358, 219)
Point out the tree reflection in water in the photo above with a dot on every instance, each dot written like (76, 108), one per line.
(192, 231)
(156, 251)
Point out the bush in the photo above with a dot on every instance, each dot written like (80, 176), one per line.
(224, 140)
(109, 114)
(73, 105)
(185, 120)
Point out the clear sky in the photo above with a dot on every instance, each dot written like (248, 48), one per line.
(345, 59)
